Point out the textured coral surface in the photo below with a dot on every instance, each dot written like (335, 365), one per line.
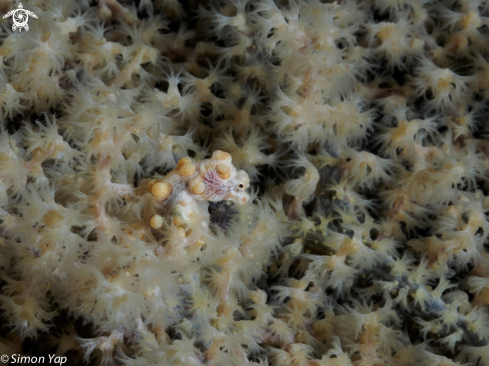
(245, 182)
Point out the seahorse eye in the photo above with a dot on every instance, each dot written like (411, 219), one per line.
(241, 185)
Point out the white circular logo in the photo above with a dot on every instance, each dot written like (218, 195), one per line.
(20, 16)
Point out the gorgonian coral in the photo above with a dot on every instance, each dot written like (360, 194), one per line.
(245, 182)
